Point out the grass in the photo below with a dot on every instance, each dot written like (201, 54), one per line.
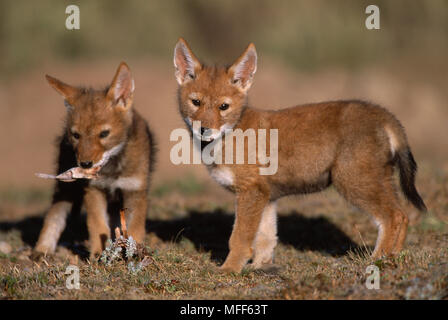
(179, 271)
(24, 196)
(323, 252)
(187, 186)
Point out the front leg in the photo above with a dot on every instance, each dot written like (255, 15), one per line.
(136, 203)
(54, 224)
(97, 220)
(66, 196)
(266, 238)
(249, 208)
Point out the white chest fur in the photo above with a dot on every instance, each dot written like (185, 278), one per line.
(124, 183)
(223, 175)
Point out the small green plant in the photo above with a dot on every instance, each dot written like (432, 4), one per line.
(125, 248)
(9, 283)
(111, 253)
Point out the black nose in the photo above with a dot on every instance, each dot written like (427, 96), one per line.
(86, 164)
(203, 129)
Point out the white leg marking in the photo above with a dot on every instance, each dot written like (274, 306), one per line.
(380, 236)
(266, 237)
(54, 224)
(127, 183)
(123, 183)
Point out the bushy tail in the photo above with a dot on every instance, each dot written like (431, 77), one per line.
(408, 167)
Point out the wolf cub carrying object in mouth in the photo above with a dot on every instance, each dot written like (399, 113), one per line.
(353, 145)
(105, 159)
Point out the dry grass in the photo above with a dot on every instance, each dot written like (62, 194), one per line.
(322, 254)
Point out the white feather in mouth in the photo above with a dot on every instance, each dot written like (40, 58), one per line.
(73, 174)
(80, 173)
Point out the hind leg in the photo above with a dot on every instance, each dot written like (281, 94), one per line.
(392, 224)
(403, 221)
(370, 187)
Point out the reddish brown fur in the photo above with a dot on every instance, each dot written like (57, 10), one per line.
(124, 177)
(350, 144)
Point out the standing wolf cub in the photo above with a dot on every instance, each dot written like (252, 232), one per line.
(102, 130)
(352, 145)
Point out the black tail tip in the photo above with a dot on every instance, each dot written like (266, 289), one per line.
(408, 169)
(419, 204)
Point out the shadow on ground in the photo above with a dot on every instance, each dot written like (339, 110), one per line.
(208, 231)
(72, 237)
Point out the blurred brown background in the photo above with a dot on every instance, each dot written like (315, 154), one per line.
(309, 51)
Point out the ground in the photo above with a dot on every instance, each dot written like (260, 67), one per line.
(322, 252)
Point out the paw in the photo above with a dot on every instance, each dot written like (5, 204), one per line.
(39, 252)
(262, 259)
(96, 248)
(380, 254)
(95, 253)
(94, 256)
(37, 255)
(229, 268)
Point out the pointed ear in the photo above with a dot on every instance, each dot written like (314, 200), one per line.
(68, 92)
(185, 62)
(244, 68)
(121, 91)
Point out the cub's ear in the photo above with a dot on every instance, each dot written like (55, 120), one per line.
(121, 91)
(244, 68)
(185, 62)
(68, 92)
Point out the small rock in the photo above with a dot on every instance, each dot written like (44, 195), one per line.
(5, 247)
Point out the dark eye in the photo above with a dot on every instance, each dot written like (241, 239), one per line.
(104, 133)
(224, 106)
(196, 102)
(76, 135)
